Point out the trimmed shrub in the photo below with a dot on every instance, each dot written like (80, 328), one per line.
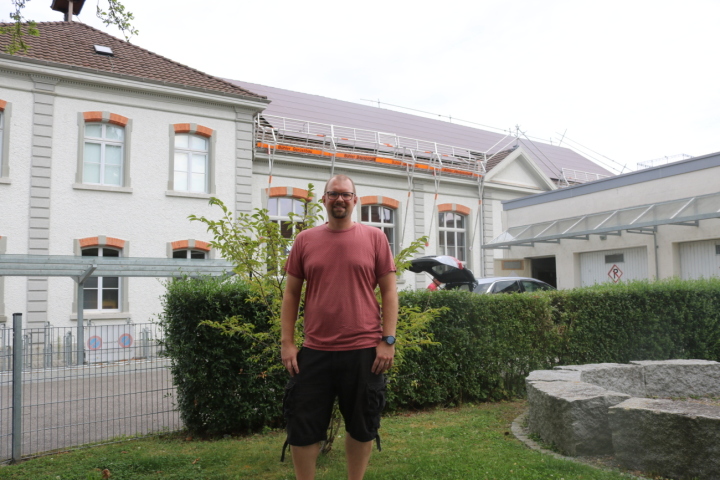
(488, 344)
(218, 389)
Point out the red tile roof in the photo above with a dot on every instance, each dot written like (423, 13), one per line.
(72, 43)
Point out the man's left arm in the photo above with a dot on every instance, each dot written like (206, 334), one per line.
(389, 294)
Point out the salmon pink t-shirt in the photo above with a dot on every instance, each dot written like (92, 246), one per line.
(341, 268)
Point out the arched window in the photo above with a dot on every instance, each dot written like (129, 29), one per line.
(282, 202)
(191, 163)
(193, 249)
(452, 230)
(102, 294)
(104, 154)
(381, 212)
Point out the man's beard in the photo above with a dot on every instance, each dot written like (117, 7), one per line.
(339, 213)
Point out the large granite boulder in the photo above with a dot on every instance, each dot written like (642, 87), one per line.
(680, 378)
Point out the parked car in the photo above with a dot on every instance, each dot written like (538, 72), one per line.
(454, 276)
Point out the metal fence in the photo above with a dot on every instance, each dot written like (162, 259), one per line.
(123, 389)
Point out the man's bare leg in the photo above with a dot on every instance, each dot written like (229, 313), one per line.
(304, 461)
(358, 456)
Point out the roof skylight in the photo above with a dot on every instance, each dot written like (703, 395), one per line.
(103, 50)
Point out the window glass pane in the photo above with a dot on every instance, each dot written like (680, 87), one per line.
(197, 254)
(460, 239)
(387, 215)
(442, 241)
(285, 206)
(197, 183)
(112, 175)
(273, 206)
(114, 133)
(93, 130)
(111, 282)
(110, 252)
(451, 239)
(180, 254)
(180, 181)
(90, 252)
(364, 214)
(113, 155)
(110, 299)
(92, 153)
(506, 286)
(198, 163)
(299, 206)
(375, 214)
(91, 282)
(181, 162)
(459, 221)
(286, 229)
(91, 173)
(198, 143)
(390, 234)
(90, 299)
(181, 141)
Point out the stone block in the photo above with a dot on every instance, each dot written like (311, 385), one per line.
(572, 415)
(627, 379)
(677, 439)
(553, 376)
(680, 378)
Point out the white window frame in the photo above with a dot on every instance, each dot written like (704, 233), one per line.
(5, 143)
(382, 225)
(101, 280)
(3, 317)
(459, 252)
(209, 169)
(80, 184)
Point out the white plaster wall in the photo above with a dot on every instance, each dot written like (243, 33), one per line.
(147, 218)
(14, 197)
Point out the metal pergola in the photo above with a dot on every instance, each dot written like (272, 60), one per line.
(82, 268)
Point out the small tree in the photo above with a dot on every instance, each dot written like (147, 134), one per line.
(256, 246)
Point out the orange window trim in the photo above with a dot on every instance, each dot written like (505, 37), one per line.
(95, 242)
(3, 104)
(453, 207)
(198, 130)
(377, 200)
(299, 193)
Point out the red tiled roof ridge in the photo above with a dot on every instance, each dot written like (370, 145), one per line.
(240, 90)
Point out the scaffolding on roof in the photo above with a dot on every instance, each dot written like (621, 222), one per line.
(313, 138)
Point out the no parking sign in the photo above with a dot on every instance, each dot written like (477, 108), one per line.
(125, 340)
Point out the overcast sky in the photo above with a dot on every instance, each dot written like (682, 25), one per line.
(628, 80)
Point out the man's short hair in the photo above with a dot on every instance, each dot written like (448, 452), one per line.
(339, 177)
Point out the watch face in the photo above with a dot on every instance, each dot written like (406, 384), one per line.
(390, 340)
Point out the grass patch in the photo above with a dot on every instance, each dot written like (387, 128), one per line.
(470, 442)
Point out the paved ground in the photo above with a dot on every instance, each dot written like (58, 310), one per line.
(65, 407)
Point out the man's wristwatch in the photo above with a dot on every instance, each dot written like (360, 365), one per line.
(390, 340)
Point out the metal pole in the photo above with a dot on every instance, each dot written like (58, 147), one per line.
(80, 326)
(17, 388)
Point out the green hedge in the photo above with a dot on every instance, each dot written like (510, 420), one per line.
(218, 390)
(488, 344)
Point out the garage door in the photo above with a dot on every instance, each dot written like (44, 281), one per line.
(700, 259)
(613, 266)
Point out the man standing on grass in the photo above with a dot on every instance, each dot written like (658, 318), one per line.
(349, 344)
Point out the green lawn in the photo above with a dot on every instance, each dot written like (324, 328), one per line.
(470, 442)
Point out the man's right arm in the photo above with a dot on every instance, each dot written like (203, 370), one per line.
(288, 317)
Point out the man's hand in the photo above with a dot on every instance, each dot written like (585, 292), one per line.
(289, 352)
(384, 358)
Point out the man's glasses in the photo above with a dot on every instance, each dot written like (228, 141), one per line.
(344, 195)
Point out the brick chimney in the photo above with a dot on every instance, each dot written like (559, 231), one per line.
(68, 7)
